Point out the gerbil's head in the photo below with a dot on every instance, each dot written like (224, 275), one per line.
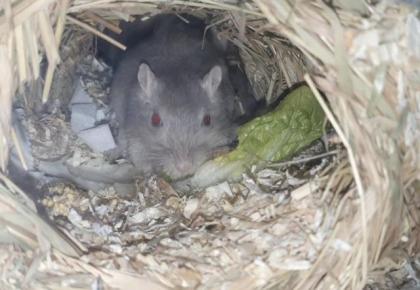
(186, 118)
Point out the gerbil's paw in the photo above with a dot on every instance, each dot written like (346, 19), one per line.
(234, 144)
(114, 154)
(144, 169)
(219, 151)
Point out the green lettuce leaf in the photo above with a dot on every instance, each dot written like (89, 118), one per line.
(294, 124)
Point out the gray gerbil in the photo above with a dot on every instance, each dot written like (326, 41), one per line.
(173, 100)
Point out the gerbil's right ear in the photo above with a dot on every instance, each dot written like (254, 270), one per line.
(147, 81)
(211, 82)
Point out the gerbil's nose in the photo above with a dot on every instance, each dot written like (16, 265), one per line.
(184, 166)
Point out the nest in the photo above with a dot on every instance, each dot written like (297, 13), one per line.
(335, 228)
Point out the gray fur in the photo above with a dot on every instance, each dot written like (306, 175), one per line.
(170, 73)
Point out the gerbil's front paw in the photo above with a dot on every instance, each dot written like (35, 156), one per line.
(143, 168)
(221, 150)
(234, 144)
(114, 154)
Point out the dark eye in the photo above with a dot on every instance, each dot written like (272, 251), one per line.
(206, 120)
(155, 119)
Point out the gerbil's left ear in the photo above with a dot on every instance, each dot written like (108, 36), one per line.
(147, 81)
(211, 81)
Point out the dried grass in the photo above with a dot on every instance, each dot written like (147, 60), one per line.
(364, 58)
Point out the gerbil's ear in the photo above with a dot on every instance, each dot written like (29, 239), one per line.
(147, 81)
(211, 81)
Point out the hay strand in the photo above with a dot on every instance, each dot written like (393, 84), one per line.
(21, 53)
(51, 50)
(112, 27)
(355, 171)
(21, 12)
(19, 150)
(48, 82)
(64, 5)
(61, 21)
(96, 32)
(48, 37)
(34, 53)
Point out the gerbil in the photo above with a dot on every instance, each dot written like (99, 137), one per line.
(173, 100)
